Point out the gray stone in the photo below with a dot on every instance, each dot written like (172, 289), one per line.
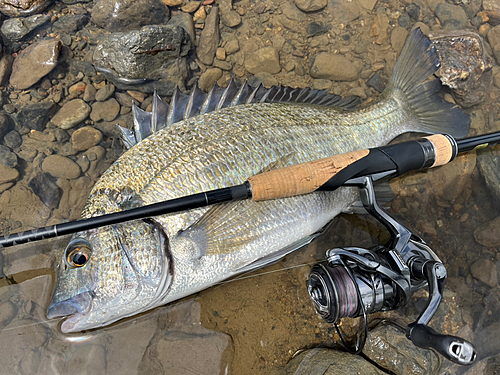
(343, 12)
(8, 174)
(488, 234)
(7, 157)
(489, 345)
(398, 38)
(185, 21)
(324, 361)
(145, 53)
(452, 17)
(310, 5)
(71, 114)
(333, 67)
(227, 15)
(232, 46)
(89, 93)
(123, 15)
(35, 116)
(79, 66)
(13, 139)
(34, 62)
(23, 8)
(46, 190)
(494, 41)
(105, 92)
(209, 38)
(376, 82)
(71, 24)
(85, 138)
(264, 60)
(15, 29)
(266, 79)
(61, 167)
(5, 68)
(106, 111)
(484, 269)
(208, 78)
(4, 124)
(125, 99)
(488, 163)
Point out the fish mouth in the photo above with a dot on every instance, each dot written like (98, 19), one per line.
(74, 309)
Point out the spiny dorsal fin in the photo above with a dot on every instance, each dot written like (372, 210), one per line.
(198, 102)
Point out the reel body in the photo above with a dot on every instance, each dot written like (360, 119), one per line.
(355, 281)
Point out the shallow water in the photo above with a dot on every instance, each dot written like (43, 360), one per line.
(256, 323)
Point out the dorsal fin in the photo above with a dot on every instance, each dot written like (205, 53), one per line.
(198, 102)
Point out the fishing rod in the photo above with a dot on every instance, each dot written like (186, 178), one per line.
(320, 175)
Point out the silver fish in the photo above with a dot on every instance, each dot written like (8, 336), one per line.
(118, 271)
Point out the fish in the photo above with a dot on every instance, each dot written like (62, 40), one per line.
(208, 141)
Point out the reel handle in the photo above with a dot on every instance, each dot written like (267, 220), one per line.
(453, 348)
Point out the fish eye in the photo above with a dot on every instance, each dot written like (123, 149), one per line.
(77, 253)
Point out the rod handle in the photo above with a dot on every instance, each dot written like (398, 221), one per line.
(301, 178)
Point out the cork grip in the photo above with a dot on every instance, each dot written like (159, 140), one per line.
(301, 178)
(443, 148)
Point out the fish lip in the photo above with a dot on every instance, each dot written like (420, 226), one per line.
(74, 309)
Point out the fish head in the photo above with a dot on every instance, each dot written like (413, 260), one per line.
(110, 273)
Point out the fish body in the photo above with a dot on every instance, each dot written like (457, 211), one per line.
(113, 272)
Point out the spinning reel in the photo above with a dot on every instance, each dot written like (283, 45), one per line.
(357, 281)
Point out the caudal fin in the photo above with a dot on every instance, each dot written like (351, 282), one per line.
(413, 77)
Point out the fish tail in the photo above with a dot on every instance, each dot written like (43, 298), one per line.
(413, 78)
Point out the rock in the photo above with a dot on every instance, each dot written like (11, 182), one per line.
(71, 114)
(324, 361)
(186, 22)
(488, 234)
(367, 4)
(492, 10)
(209, 38)
(105, 92)
(124, 15)
(389, 348)
(85, 138)
(488, 163)
(7, 157)
(344, 12)
(398, 38)
(379, 28)
(465, 66)
(494, 41)
(23, 8)
(227, 15)
(173, 3)
(485, 270)
(489, 344)
(71, 24)
(264, 60)
(376, 82)
(44, 187)
(5, 68)
(13, 139)
(106, 111)
(200, 14)
(145, 53)
(191, 7)
(267, 80)
(34, 62)
(77, 66)
(15, 29)
(452, 17)
(35, 116)
(310, 5)
(4, 124)
(208, 78)
(77, 88)
(126, 99)
(89, 94)
(61, 167)
(333, 67)
(232, 46)
(7, 174)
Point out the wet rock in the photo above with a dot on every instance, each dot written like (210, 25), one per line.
(85, 138)
(485, 270)
(35, 116)
(23, 8)
(123, 15)
(7, 312)
(488, 340)
(379, 28)
(398, 38)
(45, 188)
(266, 79)
(333, 67)
(488, 163)
(310, 5)
(4, 124)
(8, 174)
(126, 99)
(389, 348)
(264, 60)
(191, 7)
(105, 92)
(452, 17)
(324, 361)
(71, 114)
(344, 12)
(465, 66)
(208, 78)
(145, 53)
(34, 62)
(7, 157)
(15, 29)
(89, 94)
(13, 139)
(209, 38)
(494, 41)
(5, 68)
(186, 22)
(61, 167)
(227, 15)
(488, 234)
(492, 10)
(106, 111)
(78, 66)
(71, 24)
